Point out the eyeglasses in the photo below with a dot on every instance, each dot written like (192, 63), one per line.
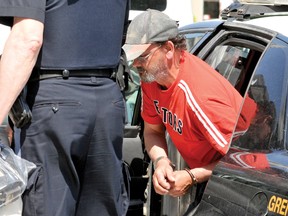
(143, 59)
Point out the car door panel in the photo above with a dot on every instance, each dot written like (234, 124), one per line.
(252, 178)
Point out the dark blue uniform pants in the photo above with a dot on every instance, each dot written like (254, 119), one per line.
(75, 139)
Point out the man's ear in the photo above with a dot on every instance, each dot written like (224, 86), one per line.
(169, 54)
(170, 48)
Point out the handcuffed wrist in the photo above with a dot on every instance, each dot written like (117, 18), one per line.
(163, 157)
(193, 178)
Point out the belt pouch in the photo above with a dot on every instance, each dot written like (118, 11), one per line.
(20, 113)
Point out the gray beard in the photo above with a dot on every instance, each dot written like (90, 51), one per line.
(148, 78)
(157, 72)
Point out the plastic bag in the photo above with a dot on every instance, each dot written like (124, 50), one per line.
(13, 175)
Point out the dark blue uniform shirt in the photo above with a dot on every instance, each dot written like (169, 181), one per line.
(77, 34)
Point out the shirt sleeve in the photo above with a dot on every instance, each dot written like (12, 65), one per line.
(219, 124)
(27, 9)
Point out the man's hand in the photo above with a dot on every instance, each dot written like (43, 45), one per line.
(172, 183)
(181, 184)
(163, 178)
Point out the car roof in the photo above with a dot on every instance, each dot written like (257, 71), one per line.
(275, 23)
(274, 18)
(208, 24)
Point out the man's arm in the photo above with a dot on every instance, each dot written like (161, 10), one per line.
(164, 179)
(18, 59)
(156, 146)
(155, 142)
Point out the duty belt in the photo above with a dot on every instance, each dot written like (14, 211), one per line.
(38, 74)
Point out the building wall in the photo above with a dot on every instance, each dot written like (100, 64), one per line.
(198, 8)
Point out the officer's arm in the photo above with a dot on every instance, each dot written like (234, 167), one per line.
(18, 59)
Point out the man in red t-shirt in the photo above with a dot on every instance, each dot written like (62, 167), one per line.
(184, 96)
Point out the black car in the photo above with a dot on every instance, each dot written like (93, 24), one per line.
(249, 47)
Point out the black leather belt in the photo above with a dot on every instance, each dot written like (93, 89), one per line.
(38, 74)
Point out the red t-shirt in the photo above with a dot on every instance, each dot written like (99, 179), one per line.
(199, 111)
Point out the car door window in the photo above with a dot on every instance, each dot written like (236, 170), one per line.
(235, 56)
(264, 145)
(230, 61)
(193, 38)
(235, 59)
